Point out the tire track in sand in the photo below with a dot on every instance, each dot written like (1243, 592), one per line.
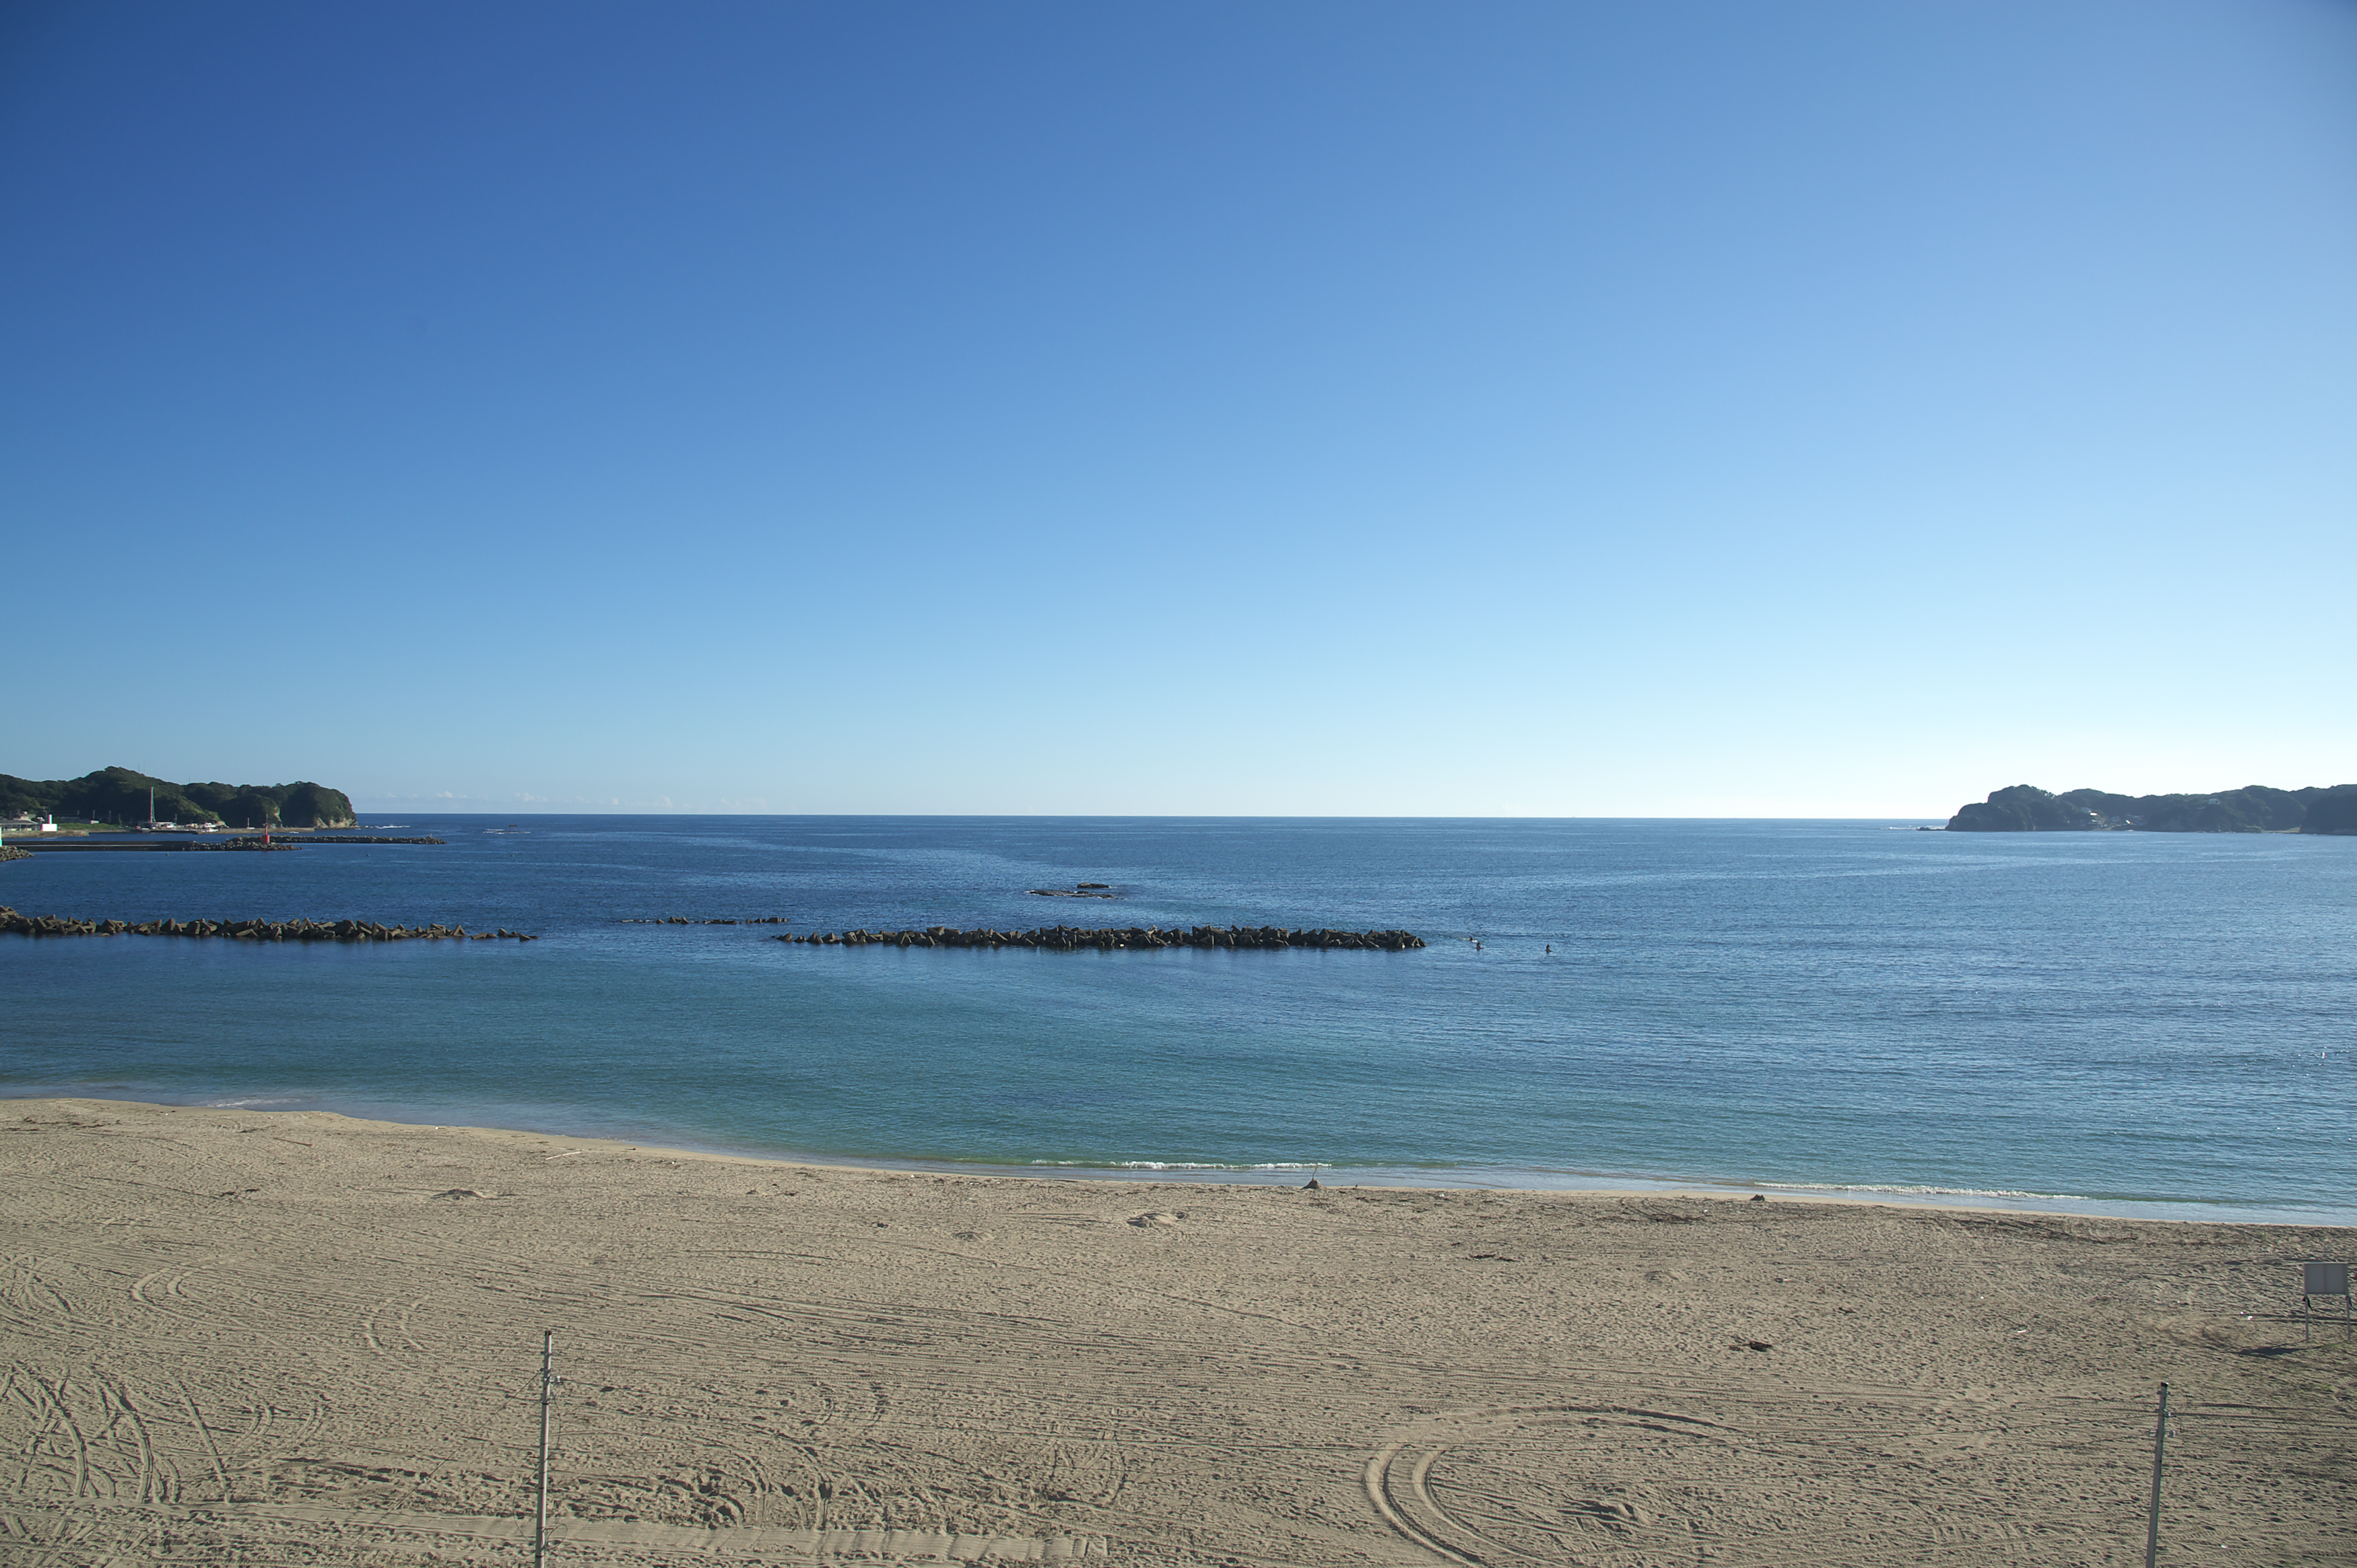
(1752, 1479)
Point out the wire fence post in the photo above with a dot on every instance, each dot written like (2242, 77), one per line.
(2159, 1446)
(548, 1383)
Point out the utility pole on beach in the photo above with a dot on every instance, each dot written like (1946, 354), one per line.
(2152, 1521)
(547, 1387)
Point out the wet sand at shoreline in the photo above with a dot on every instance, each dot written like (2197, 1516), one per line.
(235, 1337)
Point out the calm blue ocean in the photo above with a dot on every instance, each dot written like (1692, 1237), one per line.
(2132, 1023)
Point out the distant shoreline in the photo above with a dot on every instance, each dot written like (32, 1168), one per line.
(2323, 811)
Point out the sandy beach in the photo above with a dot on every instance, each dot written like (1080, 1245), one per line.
(302, 1339)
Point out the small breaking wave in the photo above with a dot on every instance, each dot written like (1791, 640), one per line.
(1909, 1190)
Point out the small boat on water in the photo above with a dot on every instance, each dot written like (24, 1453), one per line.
(511, 828)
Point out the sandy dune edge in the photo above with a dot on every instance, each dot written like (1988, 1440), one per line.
(235, 1337)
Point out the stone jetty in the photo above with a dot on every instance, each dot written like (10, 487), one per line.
(175, 843)
(13, 923)
(1073, 939)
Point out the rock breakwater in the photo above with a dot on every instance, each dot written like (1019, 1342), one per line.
(683, 920)
(12, 923)
(1072, 938)
(290, 841)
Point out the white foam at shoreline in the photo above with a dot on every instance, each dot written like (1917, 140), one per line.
(1454, 1175)
(1902, 1190)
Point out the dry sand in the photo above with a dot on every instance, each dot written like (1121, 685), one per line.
(244, 1337)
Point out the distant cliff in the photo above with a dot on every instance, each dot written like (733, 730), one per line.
(120, 795)
(2254, 808)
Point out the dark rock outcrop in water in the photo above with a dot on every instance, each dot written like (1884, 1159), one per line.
(14, 924)
(2254, 808)
(1073, 939)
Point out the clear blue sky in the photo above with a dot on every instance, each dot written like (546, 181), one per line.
(1682, 408)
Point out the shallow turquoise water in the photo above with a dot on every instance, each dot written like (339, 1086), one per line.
(2148, 1023)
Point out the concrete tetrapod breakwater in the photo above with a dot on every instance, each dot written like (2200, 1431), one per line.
(1072, 938)
(12, 923)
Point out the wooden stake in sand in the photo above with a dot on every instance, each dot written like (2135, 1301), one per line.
(547, 1384)
(2326, 1280)
(2152, 1523)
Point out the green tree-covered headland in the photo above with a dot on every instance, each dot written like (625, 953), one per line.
(2254, 808)
(120, 795)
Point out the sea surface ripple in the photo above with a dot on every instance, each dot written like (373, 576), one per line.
(2128, 1023)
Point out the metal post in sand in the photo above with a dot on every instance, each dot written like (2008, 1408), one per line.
(548, 1383)
(2160, 1445)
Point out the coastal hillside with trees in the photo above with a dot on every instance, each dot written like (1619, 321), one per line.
(2254, 808)
(120, 795)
